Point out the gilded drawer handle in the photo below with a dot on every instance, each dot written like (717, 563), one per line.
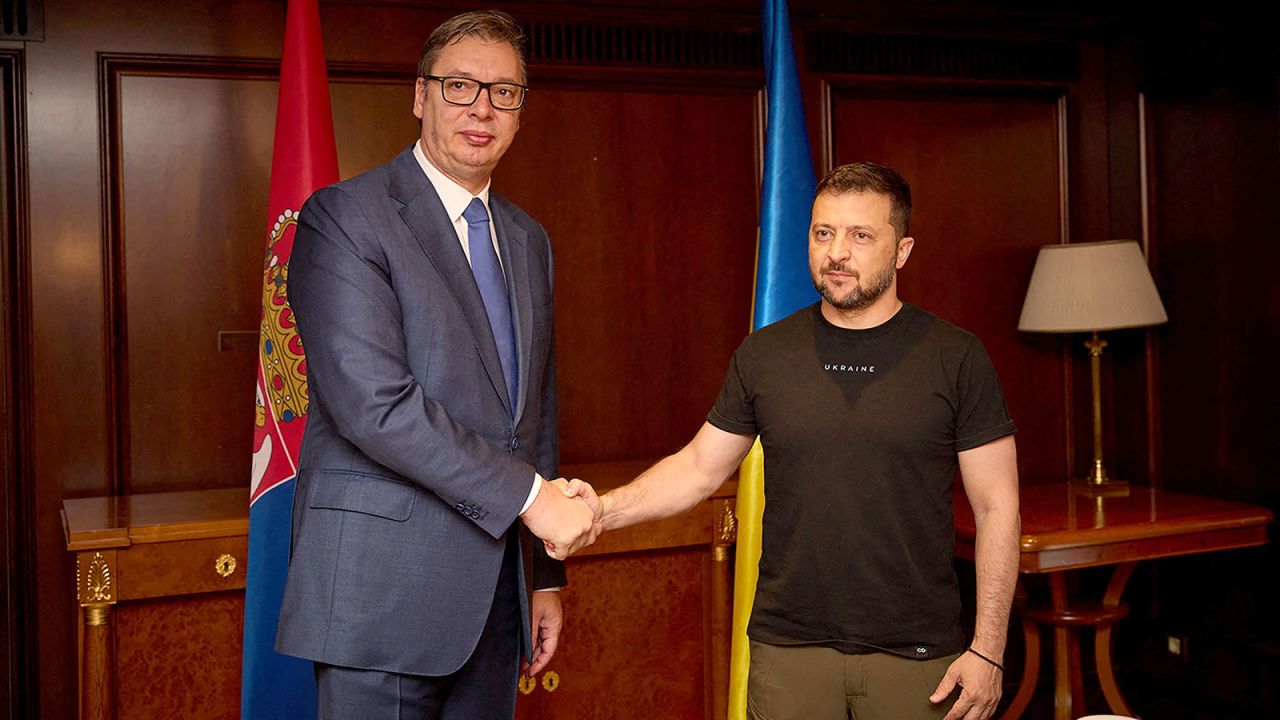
(225, 565)
(527, 684)
(550, 681)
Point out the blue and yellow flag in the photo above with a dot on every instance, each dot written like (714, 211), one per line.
(783, 286)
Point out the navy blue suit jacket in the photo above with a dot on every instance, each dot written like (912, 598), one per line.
(414, 466)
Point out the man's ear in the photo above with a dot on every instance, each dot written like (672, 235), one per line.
(420, 98)
(904, 251)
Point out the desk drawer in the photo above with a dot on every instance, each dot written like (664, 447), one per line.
(182, 567)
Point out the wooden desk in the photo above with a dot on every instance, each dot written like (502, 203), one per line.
(1064, 531)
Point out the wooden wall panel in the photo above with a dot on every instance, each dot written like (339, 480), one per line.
(649, 198)
(684, 254)
(986, 193)
(195, 156)
(372, 120)
(17, 524)
(9, 408)
(195, 163)
(1215, 252)
(1213, 179)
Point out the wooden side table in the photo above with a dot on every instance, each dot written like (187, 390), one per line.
(1063, 531)
(161, 624)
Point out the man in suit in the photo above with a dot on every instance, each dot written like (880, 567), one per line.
(424, 303)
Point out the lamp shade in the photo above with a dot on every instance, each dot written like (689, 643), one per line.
(1086, 287)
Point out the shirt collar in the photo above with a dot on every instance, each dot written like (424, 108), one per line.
(453, 196)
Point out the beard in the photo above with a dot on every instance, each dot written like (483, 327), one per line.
(858, 297)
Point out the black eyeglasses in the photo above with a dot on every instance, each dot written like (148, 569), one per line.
(465, 91)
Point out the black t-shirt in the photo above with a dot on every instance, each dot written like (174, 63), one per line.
(860, 430)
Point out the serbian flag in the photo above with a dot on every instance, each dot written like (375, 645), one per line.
(783, 285)
(304, 159)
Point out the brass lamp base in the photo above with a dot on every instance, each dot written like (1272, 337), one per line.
(1088, 488)
(1098, 484)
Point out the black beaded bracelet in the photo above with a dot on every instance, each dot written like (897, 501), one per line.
(995, 664)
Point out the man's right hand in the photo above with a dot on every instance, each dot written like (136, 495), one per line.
(565, 525)
(583, 491)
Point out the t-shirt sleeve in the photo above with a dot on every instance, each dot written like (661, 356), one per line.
(733, 411)
(981, 415)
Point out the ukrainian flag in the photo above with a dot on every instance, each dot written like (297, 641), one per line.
(783, 286)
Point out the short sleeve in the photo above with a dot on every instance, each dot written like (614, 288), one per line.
(733, 411)
(981, 414)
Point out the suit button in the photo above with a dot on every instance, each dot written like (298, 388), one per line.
(475, 514)
(515, 443)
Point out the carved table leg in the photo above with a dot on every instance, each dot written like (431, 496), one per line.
(722, 607)
(96, 595)
(1066, 620)
(1102, 641)
(1068, 685)
(99, 685)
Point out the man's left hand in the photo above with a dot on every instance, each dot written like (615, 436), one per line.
(548, 621)
(980, 688)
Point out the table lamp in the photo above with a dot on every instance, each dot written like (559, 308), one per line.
(1092, 287)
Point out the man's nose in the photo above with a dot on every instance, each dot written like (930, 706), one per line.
(482, 107)
(840, 249)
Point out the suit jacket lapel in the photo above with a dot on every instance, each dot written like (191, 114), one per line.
(515, 260)
(426, 218)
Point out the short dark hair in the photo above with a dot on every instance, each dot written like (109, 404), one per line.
(489, 25)
(874, 178)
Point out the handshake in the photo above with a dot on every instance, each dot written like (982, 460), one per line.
(567, 516)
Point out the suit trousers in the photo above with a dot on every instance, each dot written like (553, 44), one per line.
(484, 688)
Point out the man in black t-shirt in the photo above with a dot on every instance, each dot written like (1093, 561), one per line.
(866, 407)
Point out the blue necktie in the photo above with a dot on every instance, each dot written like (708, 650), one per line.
(493, 290)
